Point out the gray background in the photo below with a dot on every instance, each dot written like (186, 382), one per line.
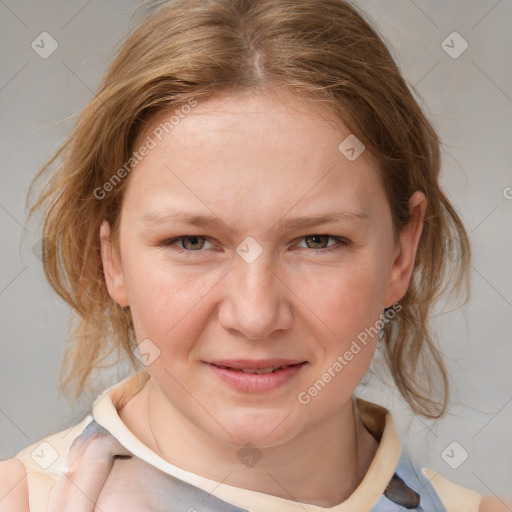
(469, 100)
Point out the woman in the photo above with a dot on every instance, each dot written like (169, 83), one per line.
(248, 206)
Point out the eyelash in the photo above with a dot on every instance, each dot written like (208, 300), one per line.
(342, 243)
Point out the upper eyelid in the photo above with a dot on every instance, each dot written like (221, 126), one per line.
(339, 239)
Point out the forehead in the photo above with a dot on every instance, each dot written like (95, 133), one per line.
(252, 153)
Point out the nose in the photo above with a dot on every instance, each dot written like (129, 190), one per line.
(257, 300)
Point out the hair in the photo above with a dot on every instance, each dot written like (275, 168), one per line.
(323, 51)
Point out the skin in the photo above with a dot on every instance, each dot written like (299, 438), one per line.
(248, 161)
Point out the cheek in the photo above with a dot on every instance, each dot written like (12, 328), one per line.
(349, 306)
(167, 302)
(346, 299)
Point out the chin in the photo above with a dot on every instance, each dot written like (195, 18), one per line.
(263, 428)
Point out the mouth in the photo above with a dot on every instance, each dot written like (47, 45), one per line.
(256, 376)
(259, 371)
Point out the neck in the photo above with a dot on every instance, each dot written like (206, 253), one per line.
(341, 443)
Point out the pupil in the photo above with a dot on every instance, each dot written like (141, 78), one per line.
(193, 240)
(316, 239)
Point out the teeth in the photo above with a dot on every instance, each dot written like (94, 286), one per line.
(262, 371)
(259, 371)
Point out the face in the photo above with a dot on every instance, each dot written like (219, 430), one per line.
(248, 240)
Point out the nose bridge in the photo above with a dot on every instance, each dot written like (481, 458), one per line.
(255, 281)
(255, 302)
(253, 267)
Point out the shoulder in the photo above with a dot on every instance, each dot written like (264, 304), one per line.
(457, 498)
(414, 486)
(13, 486)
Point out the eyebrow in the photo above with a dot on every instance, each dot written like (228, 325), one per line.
(205, 221)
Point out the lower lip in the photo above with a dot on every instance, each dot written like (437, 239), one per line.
(252, 382)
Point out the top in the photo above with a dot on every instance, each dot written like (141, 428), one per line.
(99, 464)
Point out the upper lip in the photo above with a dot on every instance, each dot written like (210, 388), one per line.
(255, 364)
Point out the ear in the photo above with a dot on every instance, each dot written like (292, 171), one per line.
(112, 267)
(405, 253)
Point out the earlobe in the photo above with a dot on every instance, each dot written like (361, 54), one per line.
(403, 264)
(112, 269)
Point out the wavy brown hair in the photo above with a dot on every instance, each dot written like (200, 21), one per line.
(325, 52)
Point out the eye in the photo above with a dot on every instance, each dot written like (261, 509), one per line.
(320, 241)
(194, 243)
(190, 243)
